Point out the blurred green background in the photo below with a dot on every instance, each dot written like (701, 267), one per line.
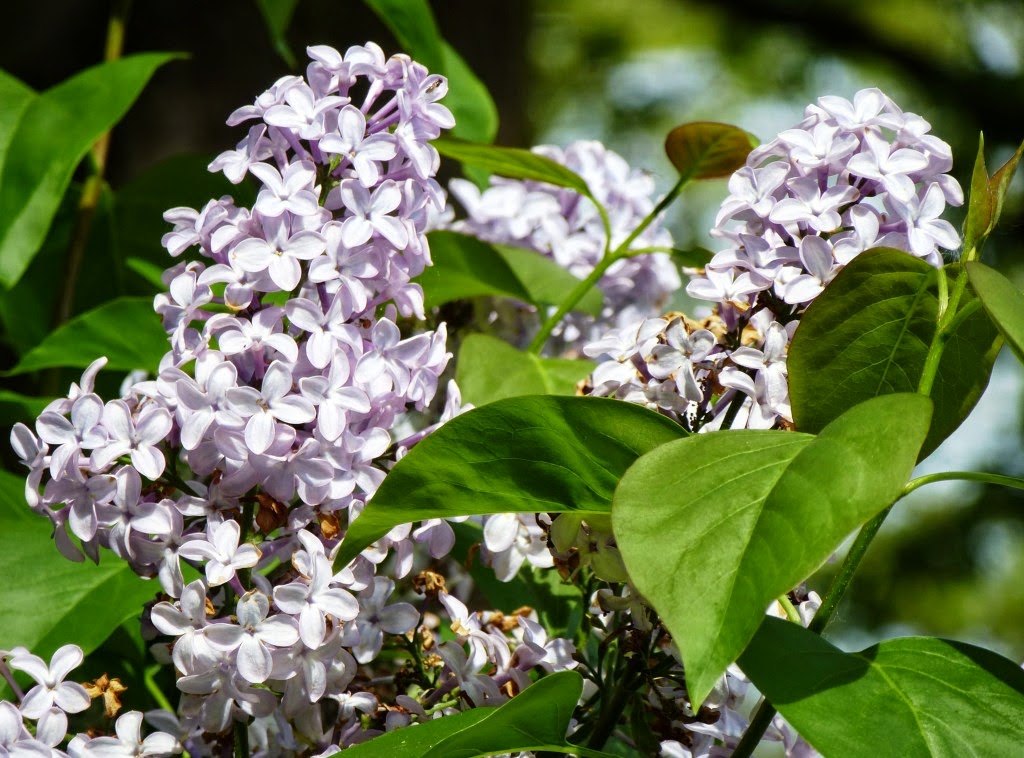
(951, 560)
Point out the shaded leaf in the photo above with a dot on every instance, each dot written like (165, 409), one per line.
(546, 281)
(738, 518)
(707, 149)
(917, 696)
(277, 15)
(490, 369)
(83, 604)
(465, 267)
(528, 454)
(512, 162)
(413, 24)
(54, 132)
(100, 332)
(1003, 301)
(694, 257)
(868, 334)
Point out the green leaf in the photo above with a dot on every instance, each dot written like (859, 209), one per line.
(15, 97)
(512, 162)
(738, 518)
(985, 205)
(49, 601)
(694, 257)
(99, 332)
(149, 272)
(535, 719)
(465, 267)
(708, 150)
(277, 15)
(490, 369)
(528, 454)
(12, 499)
(476, 115)
(182, 180)
(414, 27)
(868, 334)
(917, 696)
(54, 132)
(1003, 301)
(546, 281)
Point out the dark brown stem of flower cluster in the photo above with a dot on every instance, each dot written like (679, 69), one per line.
(93, 188)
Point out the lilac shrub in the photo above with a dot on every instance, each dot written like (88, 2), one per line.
(850, 176)
(290, 387)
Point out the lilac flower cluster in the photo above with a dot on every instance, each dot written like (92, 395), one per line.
(563, 225)
(850, 176)
(288, 390)
(49, 702)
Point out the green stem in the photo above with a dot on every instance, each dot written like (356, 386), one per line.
(787, 605)
(241, 739)
(971, 476)
(610, 257)
(949, 319)
(766, 711)
(93, 188)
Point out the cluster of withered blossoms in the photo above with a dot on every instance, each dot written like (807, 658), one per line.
(849, 177)
(274, 417)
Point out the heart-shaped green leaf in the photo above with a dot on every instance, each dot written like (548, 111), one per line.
(490, 369)
(737, 518)
(546, 281)
(530, 454)
(102, 331)
(1003, 301)
(917, 696)
(868, 334)
(707, 149)
(49, 135)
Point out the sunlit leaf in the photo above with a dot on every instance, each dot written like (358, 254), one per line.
(535, 719)
(546, 281)
(465, 267)
(531, 454)
(708, 150)
(50, 136)
(985, 204)
(917, 696)
(490, 369)
(49, 601)
(737, 518)
(102, 332)
(512, 162)
(868, 334)
(1003, 301)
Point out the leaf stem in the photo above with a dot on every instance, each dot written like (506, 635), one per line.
(91, 192)
(610, 257)
(949, 320)
(972, 476)
(762, 718)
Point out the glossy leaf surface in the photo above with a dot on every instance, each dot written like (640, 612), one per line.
(49, 136)
(100, 332)
(490, 369)
(528, 454)
(916, 696)
(707, 149)
(738, 518)
(868, 334)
